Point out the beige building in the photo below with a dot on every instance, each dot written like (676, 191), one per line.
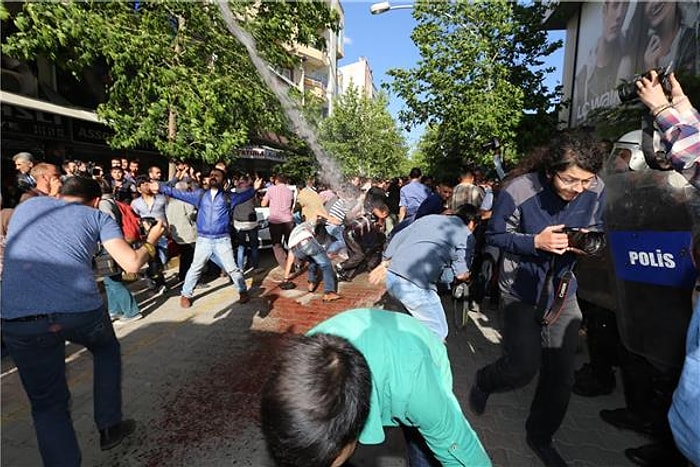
(317, 72)
(358, 75)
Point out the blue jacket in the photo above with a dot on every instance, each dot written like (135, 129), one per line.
(523, 208)
(213, 216)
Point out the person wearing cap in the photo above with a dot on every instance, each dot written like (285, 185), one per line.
(356, 373)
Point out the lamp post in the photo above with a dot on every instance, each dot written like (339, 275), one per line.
(383, 7)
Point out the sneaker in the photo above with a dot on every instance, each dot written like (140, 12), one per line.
(160, 291)
(627, 420)
(331, 297)
(244, 297)
(115, 434)
(477, 399)
(474, 306)
(185, 302)
(114, 317)
(125, 320)
(547, 453)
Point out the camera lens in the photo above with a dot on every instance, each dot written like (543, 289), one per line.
(627, 92)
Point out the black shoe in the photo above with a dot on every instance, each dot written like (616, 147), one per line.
(627, 420)
(656, 455)
(112, 436)
(588, 384)
(477, 399)
(547, 454)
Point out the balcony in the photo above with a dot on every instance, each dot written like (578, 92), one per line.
(316, 87)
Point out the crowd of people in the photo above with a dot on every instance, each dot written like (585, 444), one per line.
(361, 370)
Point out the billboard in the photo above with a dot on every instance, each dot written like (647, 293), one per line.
(618, 40)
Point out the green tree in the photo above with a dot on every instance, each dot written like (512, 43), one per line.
(179, 81)
(362, 136)
(480, 73)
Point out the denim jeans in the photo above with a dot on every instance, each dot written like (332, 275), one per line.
(335, 231)
(318, 259)
(248, 239)
(417, 450)
(423, 304)
(120, 301)
(38, 350)
(222, 251)
(529, 347)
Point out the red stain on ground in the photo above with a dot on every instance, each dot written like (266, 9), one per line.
(214, 405)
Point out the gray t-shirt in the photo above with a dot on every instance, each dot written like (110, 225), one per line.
(48, 258)
(422, 250)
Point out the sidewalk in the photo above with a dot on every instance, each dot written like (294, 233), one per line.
(192, 380)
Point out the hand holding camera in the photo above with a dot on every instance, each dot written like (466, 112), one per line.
(653, 97)
(552, 239)
(153, 228)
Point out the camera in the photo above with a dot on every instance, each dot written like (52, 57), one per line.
(591, 243)
(627, 91)
(492, 145)
(147, 224)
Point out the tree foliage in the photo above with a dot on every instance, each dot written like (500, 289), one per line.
(178, 81)
(480, 72)
(362, 136)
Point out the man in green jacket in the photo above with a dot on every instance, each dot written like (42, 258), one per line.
(356, 373)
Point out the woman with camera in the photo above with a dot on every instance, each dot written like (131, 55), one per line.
(556, 189)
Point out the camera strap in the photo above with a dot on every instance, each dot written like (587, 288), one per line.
(548, 315)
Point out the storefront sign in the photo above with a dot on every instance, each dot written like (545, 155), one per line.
(36, 123)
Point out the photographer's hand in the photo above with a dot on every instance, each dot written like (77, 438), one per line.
(552, 239)
(650, 91)
(155, 232)
(678, 98)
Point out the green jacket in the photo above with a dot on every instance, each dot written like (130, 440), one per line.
(411, 383)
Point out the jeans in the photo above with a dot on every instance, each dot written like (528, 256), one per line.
(335, 231)
(417, 450)
(120, 301)
(220, 249)
(312, 251)
(38, 350)
(423, 304)
(529, 347)
(248, 239)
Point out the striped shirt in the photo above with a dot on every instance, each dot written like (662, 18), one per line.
(681, 136)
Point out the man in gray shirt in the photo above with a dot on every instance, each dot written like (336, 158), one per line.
(414, 260)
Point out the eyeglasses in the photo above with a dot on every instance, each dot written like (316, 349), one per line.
(587, 184)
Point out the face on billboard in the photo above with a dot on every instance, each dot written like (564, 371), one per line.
(614, 14)
(619, 40)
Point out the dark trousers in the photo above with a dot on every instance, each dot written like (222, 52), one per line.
(529, 347)
(38, 349)
(362, 253)
(186, 256)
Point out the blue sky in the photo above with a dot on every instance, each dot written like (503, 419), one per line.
(385, 40)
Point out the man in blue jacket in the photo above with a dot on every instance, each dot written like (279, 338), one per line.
(213, 230)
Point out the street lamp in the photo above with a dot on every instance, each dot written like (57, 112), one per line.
(383, 7)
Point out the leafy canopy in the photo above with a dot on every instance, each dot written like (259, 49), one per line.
(178, 81)
(480, 72)
(363, 137)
